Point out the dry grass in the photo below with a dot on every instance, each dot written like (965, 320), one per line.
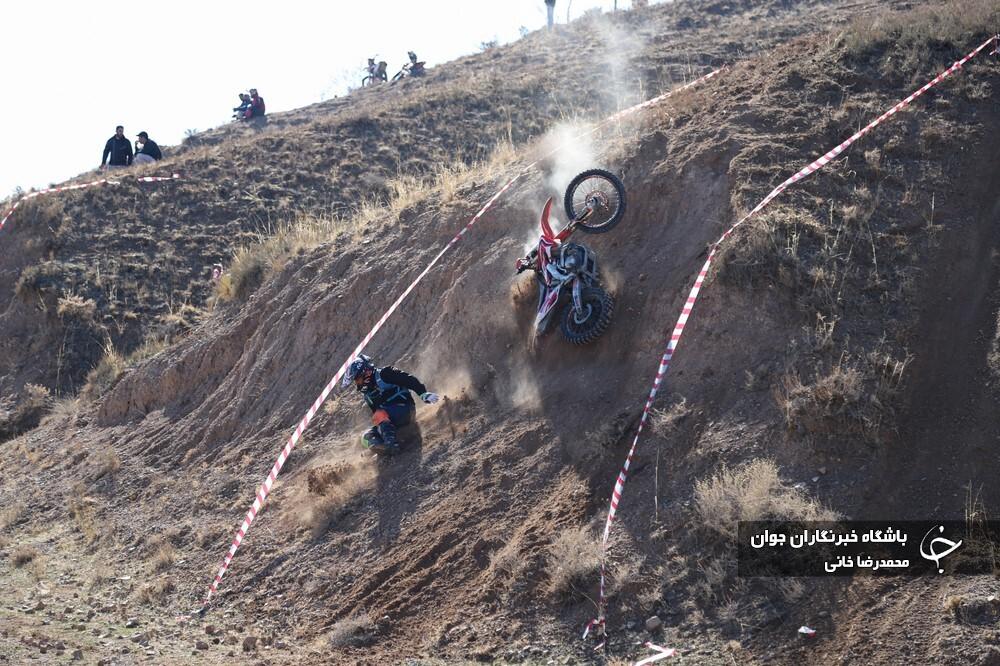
(711, 581)
(573, 558)
(150, 347)
(753, 491)
(666, 421)
(207, 536)
(353, 631)
(511, 567)
(107, 463)
(63, 409)
(114, 363)
(830, 399)
(76, 307)
(10, 515)
(953, 604)
(100, 574)
(28, 411)
(23, 555)
(36, 397)
(102, 377)
(163, 557)
(272, 248)
(39, 279)
(155, 593)
(851, 398)
(275, 245)
(81, 508)
(612, 431)
(957, 22)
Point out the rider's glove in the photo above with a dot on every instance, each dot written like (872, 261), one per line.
(429, 398)
(522, 265)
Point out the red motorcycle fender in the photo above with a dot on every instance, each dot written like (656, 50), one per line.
(547, 232)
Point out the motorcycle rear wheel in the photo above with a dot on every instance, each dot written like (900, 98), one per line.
(585, 327)
(603, 188)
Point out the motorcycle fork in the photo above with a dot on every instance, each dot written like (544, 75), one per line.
(577, 296)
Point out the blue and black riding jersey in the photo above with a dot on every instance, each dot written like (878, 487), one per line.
(391, 386)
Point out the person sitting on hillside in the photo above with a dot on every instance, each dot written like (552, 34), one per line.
(240, 111)
(256, 108)
(376, 72)
(118, 149)
(387, 393)
(416, 68)
(146, 150)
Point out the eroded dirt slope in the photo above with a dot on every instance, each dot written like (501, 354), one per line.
(142, 253)
(445, 549)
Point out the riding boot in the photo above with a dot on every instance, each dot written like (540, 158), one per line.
(371, 438)
(387, 430)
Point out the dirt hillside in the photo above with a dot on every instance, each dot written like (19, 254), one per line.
(841, 360)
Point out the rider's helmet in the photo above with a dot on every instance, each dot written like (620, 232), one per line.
(359, 367)
(413, 56)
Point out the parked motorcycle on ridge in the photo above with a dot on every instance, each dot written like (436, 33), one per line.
(414, 68)
(594, 203)
(376, 73)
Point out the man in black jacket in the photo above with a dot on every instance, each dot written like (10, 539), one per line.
(146, 150)
(119, 149)
(387, 393)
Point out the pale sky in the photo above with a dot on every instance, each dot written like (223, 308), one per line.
(75, 69)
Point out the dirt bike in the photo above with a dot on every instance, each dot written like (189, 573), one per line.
(594, 203)
(409, 69)
(376, 73)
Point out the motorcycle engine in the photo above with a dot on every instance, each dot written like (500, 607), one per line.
(572, 257)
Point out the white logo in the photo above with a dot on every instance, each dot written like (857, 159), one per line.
(935, 556)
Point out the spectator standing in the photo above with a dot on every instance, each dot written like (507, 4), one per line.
(146, 150)
(118, 149)
(550, 6)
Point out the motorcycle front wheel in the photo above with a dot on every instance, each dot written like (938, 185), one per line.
(596, 200)
(594, 318)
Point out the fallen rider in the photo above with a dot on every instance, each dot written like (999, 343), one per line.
(387, 393)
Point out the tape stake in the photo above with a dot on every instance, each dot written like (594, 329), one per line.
(265, 487)
(692, 298)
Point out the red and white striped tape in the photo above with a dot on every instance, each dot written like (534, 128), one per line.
(265, 488)
(80, 186)
(692, 298)
(661, 653)
(158, 179)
